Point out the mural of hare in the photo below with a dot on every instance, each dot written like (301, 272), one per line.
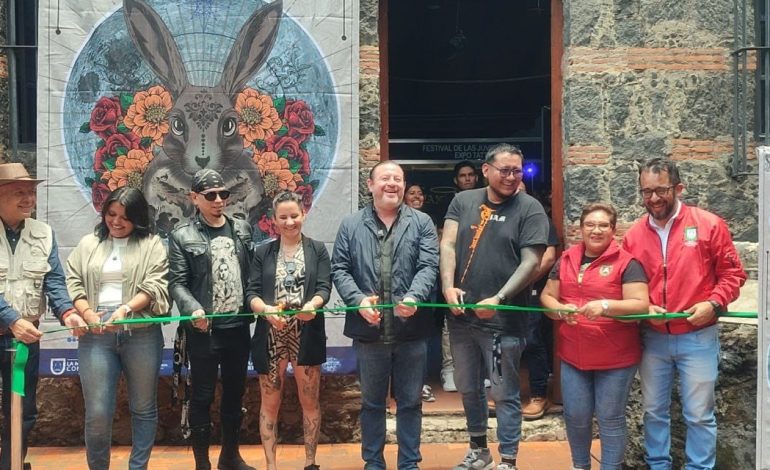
(203, 121)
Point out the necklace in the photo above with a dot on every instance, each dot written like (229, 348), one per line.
(285, 253)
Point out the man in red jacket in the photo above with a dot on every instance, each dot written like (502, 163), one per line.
(693, 267)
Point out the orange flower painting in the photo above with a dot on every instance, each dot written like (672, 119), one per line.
(276, 173)
(148, 115)
(258, 117)
(128, 170)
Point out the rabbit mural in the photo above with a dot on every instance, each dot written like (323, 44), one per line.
(156, 138)
(203, 122)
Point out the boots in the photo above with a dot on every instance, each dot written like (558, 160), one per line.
(199, 437)
(230, 457)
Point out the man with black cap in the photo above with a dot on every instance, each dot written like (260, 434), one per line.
(208, 274)
(29, 268)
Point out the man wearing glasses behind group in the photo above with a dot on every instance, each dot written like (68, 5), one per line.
(693, 267)
(208, 273)
(493, 241)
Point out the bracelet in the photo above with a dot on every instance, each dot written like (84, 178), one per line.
(67, 314)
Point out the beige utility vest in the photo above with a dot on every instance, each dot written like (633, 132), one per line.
(22, 272)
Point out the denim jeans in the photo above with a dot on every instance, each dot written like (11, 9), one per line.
(376, 363)
(137, 354)
(536, 355)
(472, 353)
(447, 363)
(224, 350)
(29, 401)
(695, 358)
(604, 392)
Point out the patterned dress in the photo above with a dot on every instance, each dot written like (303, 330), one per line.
(289, 290)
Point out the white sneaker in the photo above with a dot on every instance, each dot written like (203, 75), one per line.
(487, 383)
(427, 394)
(476, 459)
(448, 381)
(505, 466)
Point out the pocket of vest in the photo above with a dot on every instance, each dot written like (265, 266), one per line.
(34, 275)
(35, 271)
(3, 278)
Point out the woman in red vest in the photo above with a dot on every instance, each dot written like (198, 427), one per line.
(592, 282)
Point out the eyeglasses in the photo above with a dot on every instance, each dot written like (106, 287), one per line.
(289, 281)
(661, 191)
(506, 172)
(602, 226)
(212, 196)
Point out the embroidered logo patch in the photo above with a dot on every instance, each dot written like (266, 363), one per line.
(605, 270)
(690, 236)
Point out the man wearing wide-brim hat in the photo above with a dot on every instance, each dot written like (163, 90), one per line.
(29, 269)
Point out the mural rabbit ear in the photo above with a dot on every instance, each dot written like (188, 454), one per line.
(155, 43)
(251, 47)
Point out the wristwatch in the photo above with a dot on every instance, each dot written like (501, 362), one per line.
(717, 307)
(500, 297)
(605, 307)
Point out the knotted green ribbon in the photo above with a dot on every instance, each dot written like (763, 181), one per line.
(19, 365)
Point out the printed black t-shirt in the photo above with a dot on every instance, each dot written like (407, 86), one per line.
(226, 285)
(488, 251)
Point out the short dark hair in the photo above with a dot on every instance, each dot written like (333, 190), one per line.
(137, 212)
(383, 163)
(659, 165)
(503, 148)
(599, 206)
(409, 186)
(465, 163)
(287, 196)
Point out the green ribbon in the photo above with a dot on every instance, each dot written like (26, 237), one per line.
(515, 308)
(22, 351)
(19, 365)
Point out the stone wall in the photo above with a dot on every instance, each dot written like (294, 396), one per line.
(60, 422)
(4, 111)
(652, 78)
(368, 95)
(645, 79)
(641, 79)
(735, 406)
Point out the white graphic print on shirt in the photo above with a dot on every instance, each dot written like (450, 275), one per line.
(226, 273)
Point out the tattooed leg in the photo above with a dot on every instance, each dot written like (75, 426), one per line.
(308, 386)
(268, 414)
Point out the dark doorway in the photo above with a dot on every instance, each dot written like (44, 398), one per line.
(463, 75)
(460, 76)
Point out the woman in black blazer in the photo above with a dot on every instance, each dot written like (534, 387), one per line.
(289, 273)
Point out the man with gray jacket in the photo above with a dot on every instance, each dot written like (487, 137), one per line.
(387, 253)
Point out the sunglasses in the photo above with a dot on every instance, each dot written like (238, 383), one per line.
(212, 196)
(290, 280)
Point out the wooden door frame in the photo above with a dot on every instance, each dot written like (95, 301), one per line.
(557, 165)
(382, 30)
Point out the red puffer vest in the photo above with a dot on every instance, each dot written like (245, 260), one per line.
(603, 343)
